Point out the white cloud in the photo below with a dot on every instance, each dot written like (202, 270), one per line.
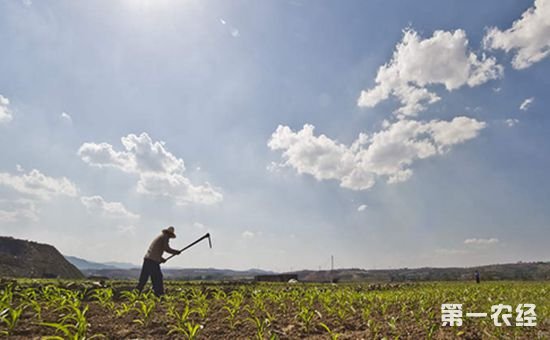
(141, 155)
(103, 155)
(526, 104)
(529, 36)
(481, 241)
(5, 113)
(457, 131)
(387, 153)
(247, 234)
(235, 32)
(511, 122)
(39, 185)
(274, 167)
(418, 63)
(178, 187)
(97, 205)
(66, 117)
(362, 207)
(160, 172)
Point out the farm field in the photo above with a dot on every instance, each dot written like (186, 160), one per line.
(80, 309)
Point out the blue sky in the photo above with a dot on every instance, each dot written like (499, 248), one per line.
(388, 134)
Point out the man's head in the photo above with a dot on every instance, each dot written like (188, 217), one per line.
(170, 231)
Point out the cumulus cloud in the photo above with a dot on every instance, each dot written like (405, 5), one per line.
(529, 36)
(481, 241)
(511, 122)
(362, 207)
(178, 187)
(160, 172)
(141, 155)
(5, 113)
(526, 104)
(417, 63)
(387, 153)
(97, 205)
(36, 184)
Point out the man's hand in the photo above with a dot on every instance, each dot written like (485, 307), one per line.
(178, 252)
(162, 260)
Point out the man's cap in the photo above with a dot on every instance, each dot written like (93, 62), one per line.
(170, 230)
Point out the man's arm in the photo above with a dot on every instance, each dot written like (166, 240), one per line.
(170, 250)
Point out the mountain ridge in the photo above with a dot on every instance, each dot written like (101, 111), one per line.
(23, 258)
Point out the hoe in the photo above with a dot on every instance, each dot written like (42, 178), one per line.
(207, 235)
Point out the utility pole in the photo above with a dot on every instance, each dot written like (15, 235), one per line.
(331, 275)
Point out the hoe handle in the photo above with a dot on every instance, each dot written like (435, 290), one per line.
(192, 244)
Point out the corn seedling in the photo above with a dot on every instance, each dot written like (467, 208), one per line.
(145, 312)
(9, 317)
(333, 335)
(305, 316)
(73, 326)
(124, 308)
(261, 326)
(104, 297)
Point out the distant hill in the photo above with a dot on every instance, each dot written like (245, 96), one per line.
(37, 261)
(512, 271)
(123, 270)
(83, 264)
(87, 265)
(122, 265)
(20, 258)
(181, 274)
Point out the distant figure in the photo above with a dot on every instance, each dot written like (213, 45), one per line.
(477, 276)
(153, 259)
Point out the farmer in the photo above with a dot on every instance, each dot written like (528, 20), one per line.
(153, 259)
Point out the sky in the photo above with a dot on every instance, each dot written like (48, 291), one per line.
(389, 134)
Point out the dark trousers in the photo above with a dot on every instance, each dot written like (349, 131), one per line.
(152, 269)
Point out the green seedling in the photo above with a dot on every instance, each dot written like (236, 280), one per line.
(145, 312)
(333, 335)
(10, 317)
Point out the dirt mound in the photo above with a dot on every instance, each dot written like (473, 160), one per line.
(20, 258)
